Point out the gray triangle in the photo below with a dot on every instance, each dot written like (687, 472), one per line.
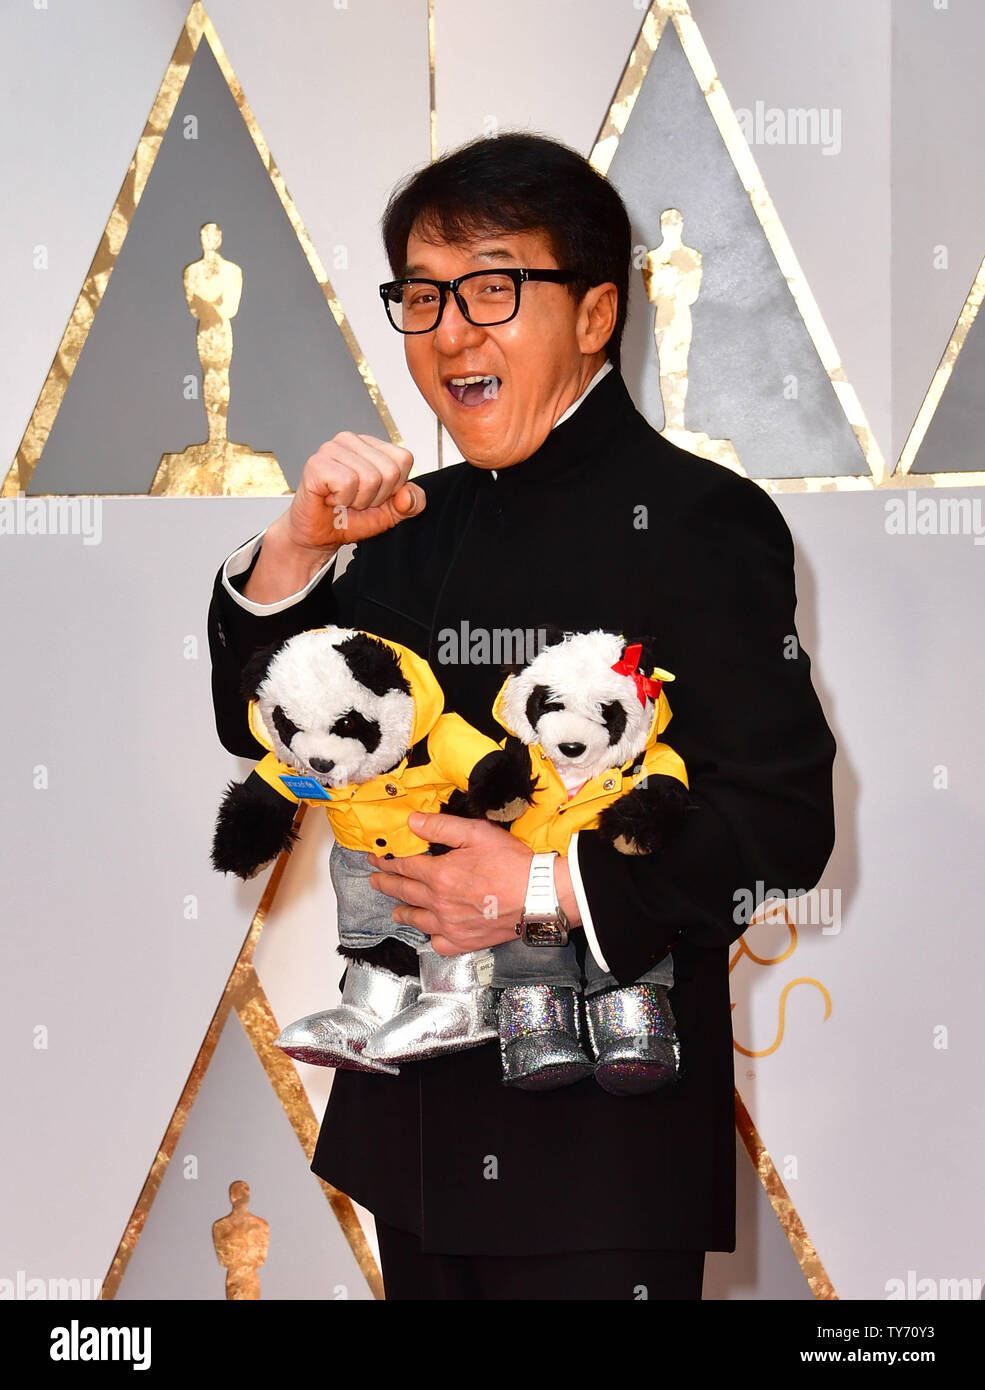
(293, 382)
(952, 443)
(749, 338)
(237, 1131)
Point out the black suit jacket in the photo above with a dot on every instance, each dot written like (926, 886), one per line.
(606, 525)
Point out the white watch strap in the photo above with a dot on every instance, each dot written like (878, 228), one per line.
(541, 892)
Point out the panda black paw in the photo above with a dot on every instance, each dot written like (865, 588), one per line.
(246, 842)
(644, 820)
(501, 786)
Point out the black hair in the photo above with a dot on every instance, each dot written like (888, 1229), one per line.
(520, 182)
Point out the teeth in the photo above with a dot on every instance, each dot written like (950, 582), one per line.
(469, 380)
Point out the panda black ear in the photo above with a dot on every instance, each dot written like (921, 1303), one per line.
(544, 635)
(373, 664)
(256, 669)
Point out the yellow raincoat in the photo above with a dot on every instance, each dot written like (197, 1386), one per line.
(554, 817)
(372, 816)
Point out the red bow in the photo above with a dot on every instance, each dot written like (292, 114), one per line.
(627, 666)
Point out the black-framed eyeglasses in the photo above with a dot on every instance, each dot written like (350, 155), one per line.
(485, 297)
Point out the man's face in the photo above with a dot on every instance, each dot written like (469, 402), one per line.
(537, 358)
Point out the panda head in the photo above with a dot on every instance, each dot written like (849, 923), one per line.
(586, 716)
(335, 704)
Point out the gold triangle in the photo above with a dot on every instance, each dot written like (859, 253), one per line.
(935, 391)
(197, 26)
(678, 13)
(244, 993)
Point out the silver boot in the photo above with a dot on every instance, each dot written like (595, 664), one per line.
(539, 1037)
(455, 1010)
(633, 1036)
(337, 1038)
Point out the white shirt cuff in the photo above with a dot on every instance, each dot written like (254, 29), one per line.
(586, 916)
(240, 561)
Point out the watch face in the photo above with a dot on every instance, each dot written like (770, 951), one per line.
(546, 933)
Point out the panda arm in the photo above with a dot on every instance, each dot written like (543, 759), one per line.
(236, 632)
(254, 825)
(749, 726)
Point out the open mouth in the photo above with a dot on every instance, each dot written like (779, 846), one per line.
(473, 390)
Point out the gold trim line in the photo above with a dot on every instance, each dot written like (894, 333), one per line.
(786, 1213)
(197, 24)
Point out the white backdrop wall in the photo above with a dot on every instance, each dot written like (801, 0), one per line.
(865, 1113)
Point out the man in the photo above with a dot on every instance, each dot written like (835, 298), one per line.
(569, 510)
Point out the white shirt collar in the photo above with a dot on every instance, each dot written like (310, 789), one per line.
(605, 368)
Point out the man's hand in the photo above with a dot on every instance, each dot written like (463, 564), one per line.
(354, 487)
(471, 897)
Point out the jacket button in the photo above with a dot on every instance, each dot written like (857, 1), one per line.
(390, 789)
(608, 784)
(381, 842)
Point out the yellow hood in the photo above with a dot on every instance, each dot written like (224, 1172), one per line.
(427, 694)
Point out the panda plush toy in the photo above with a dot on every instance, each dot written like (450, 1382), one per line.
(585, 717)
(355, 724)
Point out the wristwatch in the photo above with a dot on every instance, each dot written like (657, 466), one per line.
(543, 922)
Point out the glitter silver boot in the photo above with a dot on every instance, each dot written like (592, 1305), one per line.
(337, 1038)
(539, 1037)
(633, 1036)
(455, 1010)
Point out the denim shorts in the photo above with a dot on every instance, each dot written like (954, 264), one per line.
(365, 914)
